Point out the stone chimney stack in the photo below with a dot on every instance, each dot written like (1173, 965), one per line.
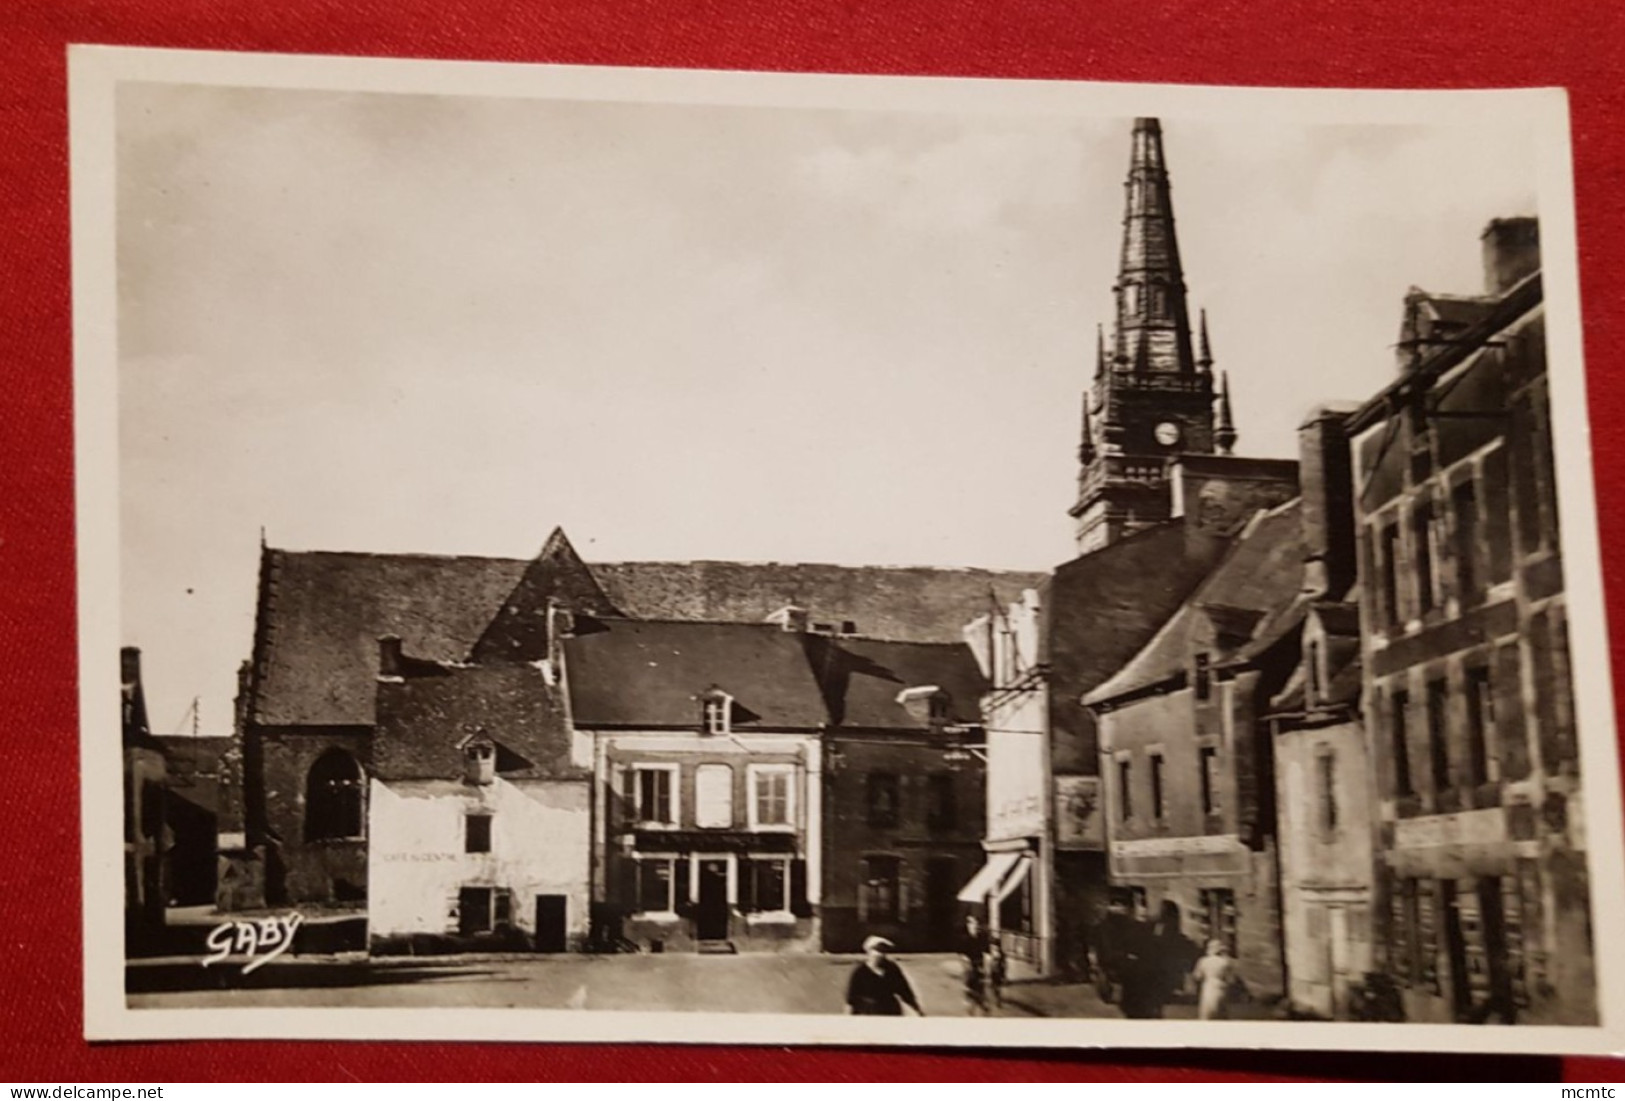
(1325, 477)
(1511, 252)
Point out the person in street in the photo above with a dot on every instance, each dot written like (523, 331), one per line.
(1215, 975)
(996, 974)
(973, 953)
(1159, 960)
(878, 987)
(1114, 945)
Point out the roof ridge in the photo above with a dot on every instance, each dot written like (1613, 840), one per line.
(442, 557)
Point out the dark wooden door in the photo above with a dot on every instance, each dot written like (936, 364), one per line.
(552, 923)
(474, 910)
(711, 908)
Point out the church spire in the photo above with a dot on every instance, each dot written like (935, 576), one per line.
(1086, 443)
(1204, 355)
(1224, 427)
(1151, 308)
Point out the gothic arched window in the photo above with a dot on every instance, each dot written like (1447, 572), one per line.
(333, 797)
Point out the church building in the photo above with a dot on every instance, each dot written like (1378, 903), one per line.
(1160, 499)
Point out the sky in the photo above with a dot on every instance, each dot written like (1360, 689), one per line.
(446, 324)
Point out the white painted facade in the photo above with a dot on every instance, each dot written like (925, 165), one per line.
(1015, 714)
(419, 861)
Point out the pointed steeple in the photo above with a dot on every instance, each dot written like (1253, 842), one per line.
(1086, 443)
(1224, 426)
(1204, 355)
(1100, 351)
(1151, 307)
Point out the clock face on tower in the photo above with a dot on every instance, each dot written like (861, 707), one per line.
(1167, 433)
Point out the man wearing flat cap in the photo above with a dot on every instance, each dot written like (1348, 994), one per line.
(878, 987)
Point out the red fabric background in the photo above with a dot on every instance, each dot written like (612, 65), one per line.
(1579, 44)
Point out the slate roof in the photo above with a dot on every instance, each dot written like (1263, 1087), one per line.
(862, 677)
(1261, 575)
(322, 612)
(424, 717)
(651, 673)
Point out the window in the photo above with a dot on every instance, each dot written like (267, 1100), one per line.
(766, 886)
(477, 833)
(714, 797)
(879, 893)
(1210, 779)
(1204, 677)
(483, 910)
(657, 882)
(1399, 705)
(1326, 791)
(1125, 789)
(882, 800)
(652, 794)
(1388, 546)
(1422, 544)
(1158, 804)
(1480, 725)
(1311, 666)
(716, 712)
(771, 800)
(1439, 734)
(1464, 500)
(938, 707)
(333, 794)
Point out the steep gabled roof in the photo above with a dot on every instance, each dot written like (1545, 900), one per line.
(862, 679)
(651, 673)
(322, 612)
(556, 577)
(1262, 574)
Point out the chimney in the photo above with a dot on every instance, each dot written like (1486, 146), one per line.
(389, 656)
(1511, 252)
(1325, 478)
(129, 664)
(791, 617)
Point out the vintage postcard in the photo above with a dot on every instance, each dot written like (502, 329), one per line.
(593, 554)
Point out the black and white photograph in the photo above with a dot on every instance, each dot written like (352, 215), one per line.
(702, 556)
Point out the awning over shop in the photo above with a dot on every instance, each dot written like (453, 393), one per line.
(989, 877)
(1017, 875)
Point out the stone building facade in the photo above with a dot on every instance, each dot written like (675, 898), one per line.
(904, 790)
(1482, 887)
(1189, 788)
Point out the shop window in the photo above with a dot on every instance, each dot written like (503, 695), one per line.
(656, 884)
(765, 885)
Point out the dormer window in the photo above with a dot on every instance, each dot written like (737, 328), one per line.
(716, 712)
(939, 708)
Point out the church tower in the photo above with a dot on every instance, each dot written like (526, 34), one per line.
(1152, 396)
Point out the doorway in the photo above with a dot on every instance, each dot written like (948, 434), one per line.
(552, 924)
(711, 907)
